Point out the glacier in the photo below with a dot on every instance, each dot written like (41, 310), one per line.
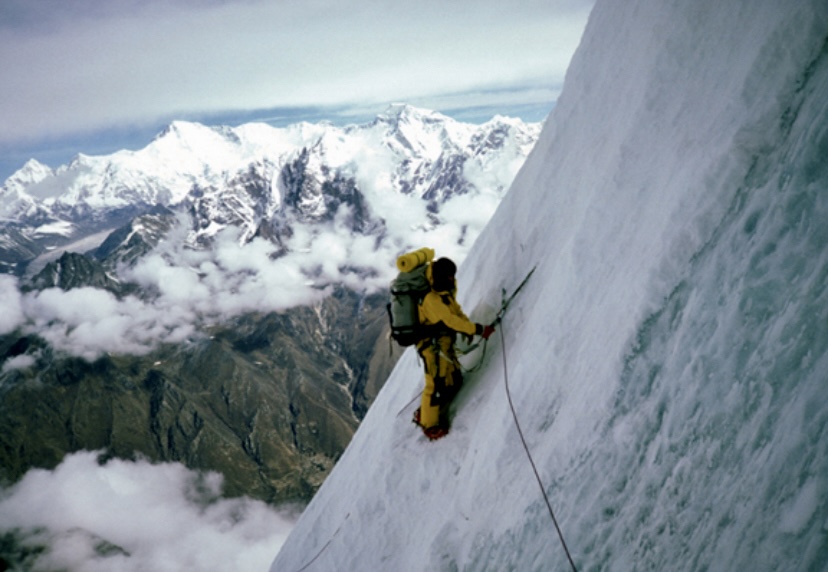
(667, 360)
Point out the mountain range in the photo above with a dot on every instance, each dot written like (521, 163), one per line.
(263, 179)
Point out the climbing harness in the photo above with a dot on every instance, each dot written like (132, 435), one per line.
(523, 440)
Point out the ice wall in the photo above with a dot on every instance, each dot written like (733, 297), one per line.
(668, 360)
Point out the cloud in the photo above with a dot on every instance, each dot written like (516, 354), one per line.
(18, 362)
(230, 278)
(189, 289)
(87, 322)
(79, 67)
(124, 515)
(11, 312)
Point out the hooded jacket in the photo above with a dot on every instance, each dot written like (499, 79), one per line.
(441, 308)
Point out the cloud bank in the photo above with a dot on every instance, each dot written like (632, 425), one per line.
(135, 516)
(191, 289)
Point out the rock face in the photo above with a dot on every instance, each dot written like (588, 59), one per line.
(270, 401)
(136, 238)
(74, 270)
(16, 250)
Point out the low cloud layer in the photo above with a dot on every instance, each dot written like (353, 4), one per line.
(190, 289)
(132, 516)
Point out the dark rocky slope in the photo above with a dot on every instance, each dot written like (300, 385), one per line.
(270, 401)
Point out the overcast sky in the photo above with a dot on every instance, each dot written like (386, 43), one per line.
(95, 76)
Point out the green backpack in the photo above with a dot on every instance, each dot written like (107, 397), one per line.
(407, 292)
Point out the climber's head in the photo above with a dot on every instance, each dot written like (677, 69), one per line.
(442, 275)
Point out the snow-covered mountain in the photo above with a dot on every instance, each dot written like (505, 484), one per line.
(262, 179)
(667, 361)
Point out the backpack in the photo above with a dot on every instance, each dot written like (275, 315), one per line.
(407, 292)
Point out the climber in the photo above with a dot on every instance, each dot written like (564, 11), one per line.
(444, 319)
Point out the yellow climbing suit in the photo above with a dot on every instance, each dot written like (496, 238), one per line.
(442, 370)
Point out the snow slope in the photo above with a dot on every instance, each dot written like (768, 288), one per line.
(667, 360)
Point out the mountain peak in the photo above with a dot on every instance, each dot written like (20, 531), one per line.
(16, 195)
(189, 131)
(397, 113)
(32, 172)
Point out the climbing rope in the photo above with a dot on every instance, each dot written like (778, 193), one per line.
(528, 453)
(480, 360)
(413, 399)
(321, 550)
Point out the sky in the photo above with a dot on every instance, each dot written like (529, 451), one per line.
(98, 76)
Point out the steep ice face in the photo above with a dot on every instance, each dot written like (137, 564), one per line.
(667, 359)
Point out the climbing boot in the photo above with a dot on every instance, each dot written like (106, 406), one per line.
(436, 432)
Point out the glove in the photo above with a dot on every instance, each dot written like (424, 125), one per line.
(488, 330)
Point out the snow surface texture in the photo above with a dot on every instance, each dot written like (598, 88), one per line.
(668, 358)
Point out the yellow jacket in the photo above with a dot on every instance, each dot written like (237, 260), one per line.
(441, 307)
